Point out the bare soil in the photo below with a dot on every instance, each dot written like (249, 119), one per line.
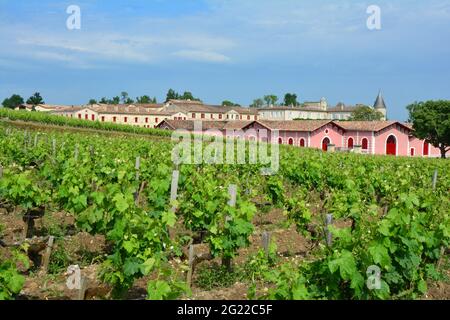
(88, 251)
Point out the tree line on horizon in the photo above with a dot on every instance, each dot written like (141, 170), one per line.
(16, 100)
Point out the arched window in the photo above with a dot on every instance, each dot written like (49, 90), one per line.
(365, 144)
(280, 140)
(391, 146)
(302, 142)
(291, 141)
(426, 148)
(412, 152)
(350, 143)
(325, 143)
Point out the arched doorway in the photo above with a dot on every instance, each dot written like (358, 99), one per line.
(412, 152)
(291, 141)
(302, 143)
(350, 143)
(426, 148)
(391, 146)
(365, 144)
(280, 141)
(325, 143)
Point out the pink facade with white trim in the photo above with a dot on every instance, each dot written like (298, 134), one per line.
(371, 142)
(385, 138)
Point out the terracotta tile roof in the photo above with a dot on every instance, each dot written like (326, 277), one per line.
(127, 109)
(284, 108)
(68, 109)
(206, 125)
(192, 106)
(294, 125)
(189, 124)
(117, 109)
(180, 102)
(365, 125)
(44, 106)
(338, 108)
(237, 124)
(187, 108)
(149, 105)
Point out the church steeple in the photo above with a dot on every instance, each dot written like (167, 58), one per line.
(379, 105)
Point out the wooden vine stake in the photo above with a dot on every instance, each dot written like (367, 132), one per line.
(174, 188)
(232, 191)
(191, 264)
(137, 166)
(328, 222)
(76, 153)
(266, 242)
(54, 147)
(435, 176)
(83, 288)
(47, 254)
(1, 172)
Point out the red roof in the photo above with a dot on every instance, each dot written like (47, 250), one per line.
(374, 126)
(294, 125)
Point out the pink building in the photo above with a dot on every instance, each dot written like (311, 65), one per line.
(373, 137)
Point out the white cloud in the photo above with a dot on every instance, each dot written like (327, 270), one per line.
(121, 47)
(201, 56)
(52, 56)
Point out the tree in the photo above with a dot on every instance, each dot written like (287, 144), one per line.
(128, 101)
(365, 113)
(172, 95)
(431, 122)
(115, 100)
(271, 100)
(227, 103)
(35, 99)
(187, 96)
(290, 99)
(13, 102)
(103, 100)
(92, 101)
(257, 103)
(144, 99)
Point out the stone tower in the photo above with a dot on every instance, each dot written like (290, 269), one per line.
(380, 106)
(323, 104)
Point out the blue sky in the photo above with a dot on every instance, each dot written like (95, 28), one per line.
(227, 49)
